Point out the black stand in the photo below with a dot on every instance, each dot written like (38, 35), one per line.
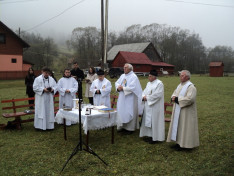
(79, 147)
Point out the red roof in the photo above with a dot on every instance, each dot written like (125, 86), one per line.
(141, 58)
(216, 64)
(135, 58)
(162, 64)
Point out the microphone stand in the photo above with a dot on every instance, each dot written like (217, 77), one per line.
(79, 146)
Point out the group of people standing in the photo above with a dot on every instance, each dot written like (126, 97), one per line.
(132, 102)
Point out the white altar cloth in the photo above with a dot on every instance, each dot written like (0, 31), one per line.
(97, 120)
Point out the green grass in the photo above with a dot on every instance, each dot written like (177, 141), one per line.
(31, 152)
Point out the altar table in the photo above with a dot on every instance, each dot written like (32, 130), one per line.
(95, 121)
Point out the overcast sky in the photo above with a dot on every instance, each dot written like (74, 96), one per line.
(213, 20)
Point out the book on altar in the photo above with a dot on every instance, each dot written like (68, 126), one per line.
(106, 110)
(99, 107)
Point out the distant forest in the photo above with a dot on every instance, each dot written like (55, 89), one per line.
(176, 46)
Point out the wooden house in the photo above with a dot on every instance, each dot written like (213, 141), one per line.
(147, 48)
(216, 69)
(11, 51)
(140, 62)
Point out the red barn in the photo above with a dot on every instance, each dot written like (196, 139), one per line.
(216, 69)
(146, 48)
(140, 62)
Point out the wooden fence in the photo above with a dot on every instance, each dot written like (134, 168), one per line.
(11, 75)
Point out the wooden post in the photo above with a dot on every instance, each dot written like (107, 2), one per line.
(65, 129)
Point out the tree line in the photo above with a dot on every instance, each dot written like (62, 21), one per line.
(176, 46)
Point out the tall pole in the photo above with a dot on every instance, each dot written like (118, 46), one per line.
(106, 33)
(102, 33)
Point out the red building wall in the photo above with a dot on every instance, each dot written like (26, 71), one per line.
(119, 61)
(141, 68)
(14, 75)
(12, 45)
(7, 65)
(26, 67)
(216, 71)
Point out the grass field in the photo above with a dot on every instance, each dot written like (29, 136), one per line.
(31, 152)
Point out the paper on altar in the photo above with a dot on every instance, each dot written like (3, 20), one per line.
(99, 107)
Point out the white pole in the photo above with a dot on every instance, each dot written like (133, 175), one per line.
(106, 34)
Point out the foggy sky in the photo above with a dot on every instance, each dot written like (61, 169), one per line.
(213, 20)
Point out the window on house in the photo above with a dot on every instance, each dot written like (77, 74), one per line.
(138, 66)
(2, 38)
(13, 60)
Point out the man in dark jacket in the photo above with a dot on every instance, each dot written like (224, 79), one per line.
(78, 74)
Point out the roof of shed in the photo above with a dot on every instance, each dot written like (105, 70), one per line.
(141, 58)
(132, 47)
(162, 64)
(135, 58)
(216, 64)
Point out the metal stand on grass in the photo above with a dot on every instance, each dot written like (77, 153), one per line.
(79, 146)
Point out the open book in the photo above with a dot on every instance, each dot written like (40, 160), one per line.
(106, 110)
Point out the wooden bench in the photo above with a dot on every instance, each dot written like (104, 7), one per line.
(166, 105)
(113, 105)
(167, 112)
(20, 108)
(113, 101)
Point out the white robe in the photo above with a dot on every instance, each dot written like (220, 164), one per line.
(129, 102)
(105, 89)
(44, 103)
(67, 98)
(187, 130)
(153, 124)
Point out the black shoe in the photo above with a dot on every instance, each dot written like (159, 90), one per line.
(147, 139)
(153, 142)
(128, 132)
(120, 131)
(176, 146)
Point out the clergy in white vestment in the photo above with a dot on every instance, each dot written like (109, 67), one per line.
(129, 101)
(44, 87)
(101, 89)
(184, 122)
(152, 124)
(67, 87)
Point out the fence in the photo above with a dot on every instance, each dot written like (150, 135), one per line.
(11, 75)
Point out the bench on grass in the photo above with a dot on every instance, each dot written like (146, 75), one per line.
(20, 108)
(167, 112)
(113, 101)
